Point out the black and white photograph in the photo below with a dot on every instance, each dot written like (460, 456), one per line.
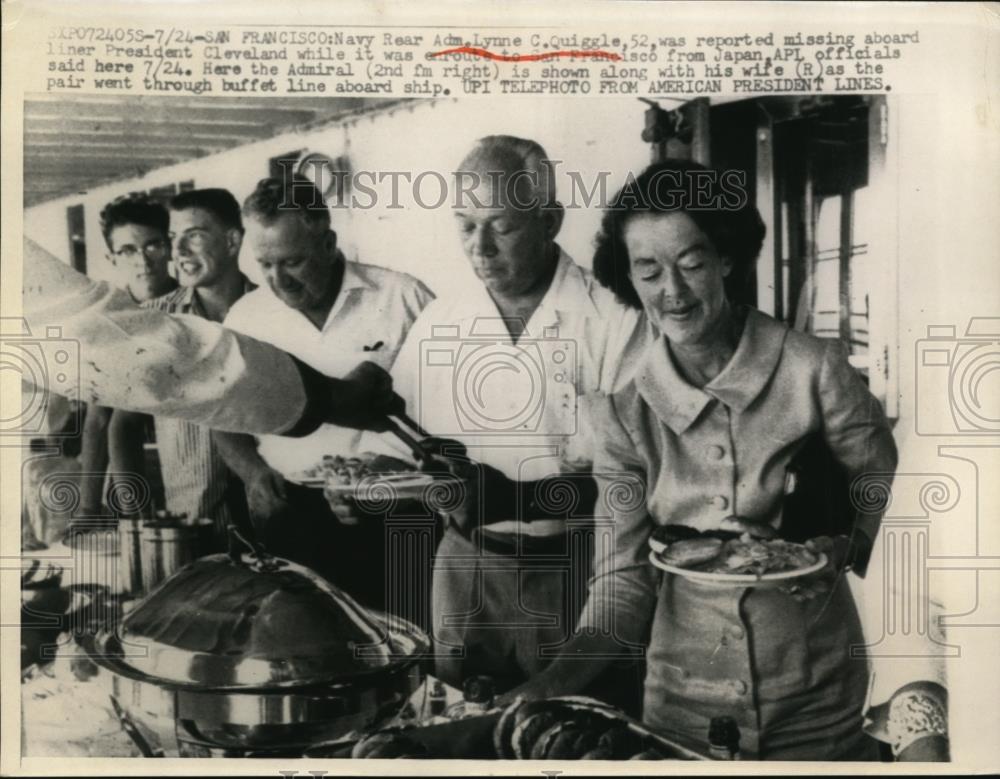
(503, 392)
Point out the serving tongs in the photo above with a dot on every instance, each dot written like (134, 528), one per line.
(411, 439)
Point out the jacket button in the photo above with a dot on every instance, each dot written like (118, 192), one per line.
(741, 687)
(716, 452)
(721, 502)
(737, 632)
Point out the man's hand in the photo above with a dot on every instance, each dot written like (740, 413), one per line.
(266, 496)
(837, 550)
(483, 485)
(342, 505)
(363, 399)
(446, 454)
(383, 463)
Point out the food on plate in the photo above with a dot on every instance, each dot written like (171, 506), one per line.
(347, 471)
(741, 525)
(691, 552)
(730, 528)
(744, 554)
(664, 535)
(747, 555)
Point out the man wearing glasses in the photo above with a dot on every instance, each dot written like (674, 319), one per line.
(135, 231)
(206, 233)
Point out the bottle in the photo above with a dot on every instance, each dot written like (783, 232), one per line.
(438, 697)
(723, 739)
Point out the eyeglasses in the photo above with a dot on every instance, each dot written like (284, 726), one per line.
(155, 250)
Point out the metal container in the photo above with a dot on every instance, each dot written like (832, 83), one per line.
(246, 654)
(39, 582)
(167, 545)
(130, 555)
(43, 603)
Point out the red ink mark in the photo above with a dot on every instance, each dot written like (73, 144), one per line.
(594, 53)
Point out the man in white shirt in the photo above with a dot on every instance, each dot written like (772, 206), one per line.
(330, 313)
(504, 367)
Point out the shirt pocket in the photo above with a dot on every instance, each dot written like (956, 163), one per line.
(343, 360)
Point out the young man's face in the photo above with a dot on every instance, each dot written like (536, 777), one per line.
(204, 250)
(140, 255)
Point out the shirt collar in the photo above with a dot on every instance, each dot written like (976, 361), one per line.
(570, 291)
(189, 300)
(354, 278)
(185, 295)
(679, 404)
(171, 285)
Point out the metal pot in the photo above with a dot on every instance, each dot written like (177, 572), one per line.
(43, 604)
(246, 653)
(40, 585)
(130, 555)
(167, 544)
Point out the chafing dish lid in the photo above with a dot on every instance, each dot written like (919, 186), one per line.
(234, 622)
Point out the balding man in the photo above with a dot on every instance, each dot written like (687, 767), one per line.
(504, 368)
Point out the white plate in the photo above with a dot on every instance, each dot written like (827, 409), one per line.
(736, 578)
(304, 479)
(542, 528)
(374, 486)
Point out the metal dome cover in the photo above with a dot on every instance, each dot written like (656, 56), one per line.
(230, 621)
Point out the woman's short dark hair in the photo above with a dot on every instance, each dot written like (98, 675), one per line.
(716, 201)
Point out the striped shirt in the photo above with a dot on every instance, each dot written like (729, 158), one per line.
(196, 480)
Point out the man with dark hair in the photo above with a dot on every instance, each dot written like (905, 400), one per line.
(135, 231)
(206, 233)
(330, 313)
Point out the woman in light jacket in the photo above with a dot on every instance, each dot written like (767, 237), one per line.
(719, 409)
